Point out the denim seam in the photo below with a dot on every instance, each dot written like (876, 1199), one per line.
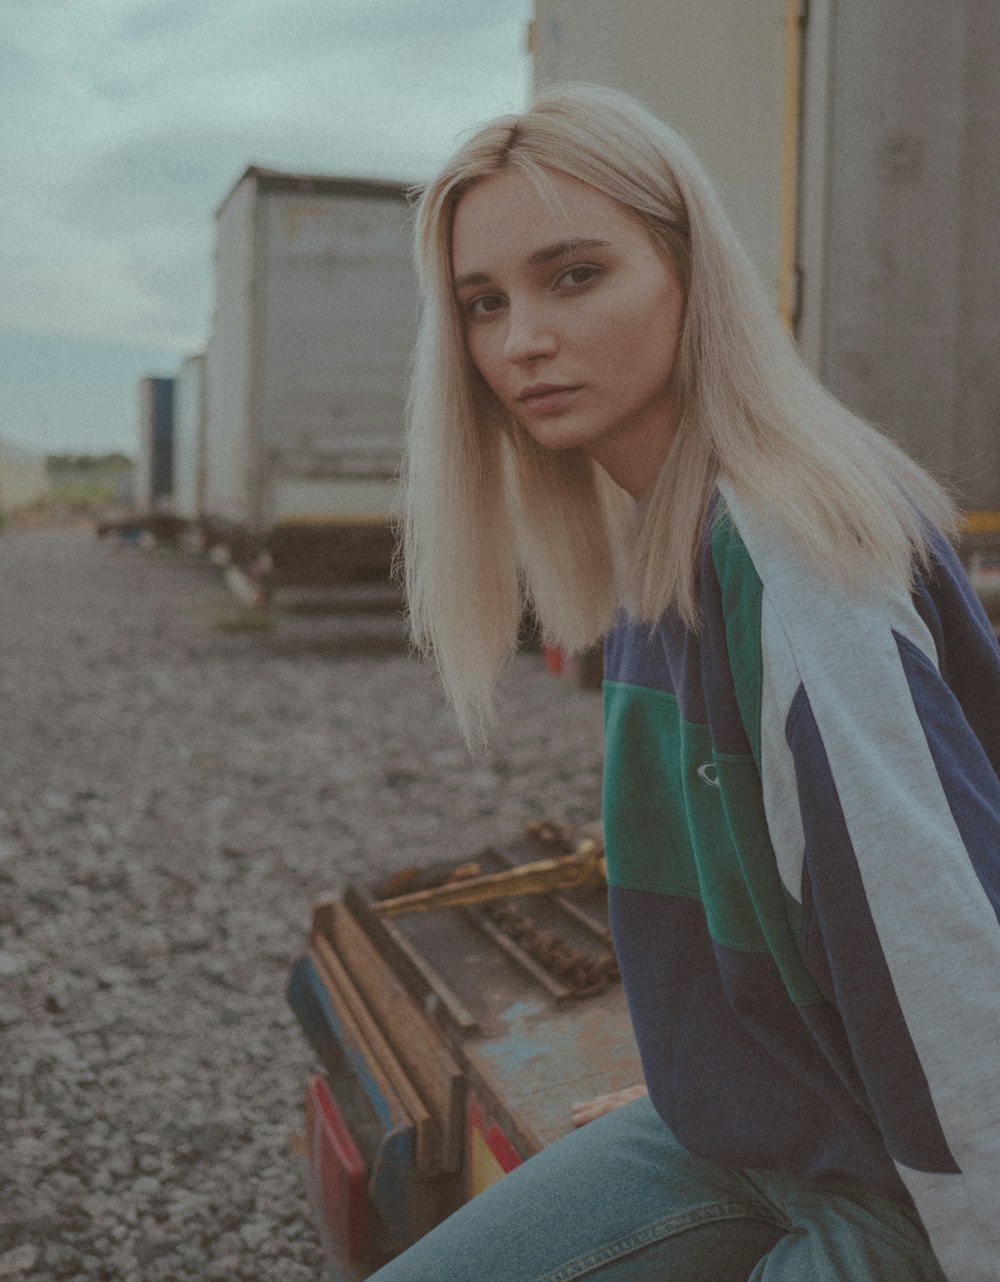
(669, 1226)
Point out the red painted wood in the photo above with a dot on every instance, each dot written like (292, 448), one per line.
(337, 1169)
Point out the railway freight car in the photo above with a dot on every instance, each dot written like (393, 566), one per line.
(314, 321)
(154, 474)
(189, 445)
(855, 149)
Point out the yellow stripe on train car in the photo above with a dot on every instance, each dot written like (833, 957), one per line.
(980, 522)
(309, 519)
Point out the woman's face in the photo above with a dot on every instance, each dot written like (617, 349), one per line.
(572, 318)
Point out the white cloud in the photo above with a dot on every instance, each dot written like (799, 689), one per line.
(126, 122)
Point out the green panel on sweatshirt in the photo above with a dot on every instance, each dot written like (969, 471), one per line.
(671, 807)
(665, 826)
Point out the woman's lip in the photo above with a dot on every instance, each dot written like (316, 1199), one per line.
(546, 399)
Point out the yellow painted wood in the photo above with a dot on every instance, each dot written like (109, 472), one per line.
(484, 1169)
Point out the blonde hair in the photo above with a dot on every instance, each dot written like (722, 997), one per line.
(494, 523)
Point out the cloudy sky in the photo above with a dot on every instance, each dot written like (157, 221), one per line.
(124, 124)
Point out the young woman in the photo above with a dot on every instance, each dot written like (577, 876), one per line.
(801, 794)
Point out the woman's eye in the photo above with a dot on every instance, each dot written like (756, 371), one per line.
(484, 305)
(582, 274)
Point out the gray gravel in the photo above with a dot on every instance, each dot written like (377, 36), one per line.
(172, 799)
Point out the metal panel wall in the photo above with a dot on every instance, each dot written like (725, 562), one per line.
(713, 70)
(337, 326)
(579, 40)
(912, 292)
(144, 452)
(898, 185)
(228, 364)
(189, 439)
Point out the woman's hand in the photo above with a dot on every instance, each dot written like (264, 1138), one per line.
(587, 1110)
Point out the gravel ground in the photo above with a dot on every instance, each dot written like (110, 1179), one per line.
(174, 796)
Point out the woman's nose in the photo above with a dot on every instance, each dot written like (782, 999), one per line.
(529, 334)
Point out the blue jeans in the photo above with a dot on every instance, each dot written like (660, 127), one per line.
(621, 1201)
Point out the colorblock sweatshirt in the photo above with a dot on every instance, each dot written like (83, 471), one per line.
(802, 821)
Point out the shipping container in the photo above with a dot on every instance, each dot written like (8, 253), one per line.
(855, 149)
(189, 440)
(314, 322)
(154, 473)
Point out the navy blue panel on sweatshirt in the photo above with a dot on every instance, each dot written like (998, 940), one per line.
(664, 656)
(967, 775)
(968, 657)
(737, 1071)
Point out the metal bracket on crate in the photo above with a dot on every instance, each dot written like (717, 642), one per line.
(585, 867)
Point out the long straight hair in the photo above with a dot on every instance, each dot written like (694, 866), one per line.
(494, 522)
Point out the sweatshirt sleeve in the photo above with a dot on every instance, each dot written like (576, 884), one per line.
(871, 768)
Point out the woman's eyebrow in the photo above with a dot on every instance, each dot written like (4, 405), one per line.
(470, 278)
(561, 249)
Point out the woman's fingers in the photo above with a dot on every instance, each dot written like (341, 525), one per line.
(585, 1111)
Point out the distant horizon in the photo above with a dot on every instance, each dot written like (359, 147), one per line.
(33, 451)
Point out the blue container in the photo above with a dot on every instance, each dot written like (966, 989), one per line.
(162, 438)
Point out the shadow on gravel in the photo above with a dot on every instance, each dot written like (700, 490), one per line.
(357, 644)
(376, 599)
(355, 620)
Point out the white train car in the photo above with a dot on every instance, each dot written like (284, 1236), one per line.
(189, 440)
(305, 377)
(855, 149)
